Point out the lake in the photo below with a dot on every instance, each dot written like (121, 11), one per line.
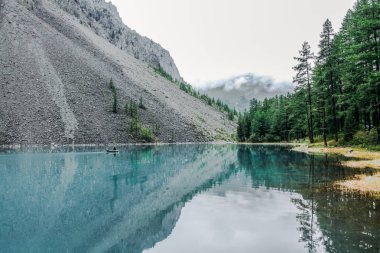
(181, 198)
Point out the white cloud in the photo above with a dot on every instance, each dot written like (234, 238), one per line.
(214, 39)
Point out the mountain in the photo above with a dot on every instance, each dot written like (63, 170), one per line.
(103, 19)
(237, 91)
(56, 62)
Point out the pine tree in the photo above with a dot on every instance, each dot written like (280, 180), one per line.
(303, 79)
(339, 95)
(114, 96)
(141, 104)
(320, 100)
(325, 60)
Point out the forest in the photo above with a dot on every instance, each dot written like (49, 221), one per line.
(337, 96)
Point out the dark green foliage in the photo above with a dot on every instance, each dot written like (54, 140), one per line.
(267, 121)
(137, 129)
(303, 80)
(135, 126)
(131, 109)
(114, 103)
(339, 96)
(350, 126)
(231, 115)
(141, 132)
(141, 105)
(219, 105)
(114, 96)
(162, 72)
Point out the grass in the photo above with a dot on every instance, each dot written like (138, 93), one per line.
(147, 134)
(364, 184)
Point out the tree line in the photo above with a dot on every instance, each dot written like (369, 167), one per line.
(186, 87)
(337, 94)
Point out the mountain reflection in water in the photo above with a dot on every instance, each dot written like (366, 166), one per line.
(181, 198)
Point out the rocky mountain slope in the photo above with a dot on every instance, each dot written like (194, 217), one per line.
(54, 82)
(239, 90)
(103, 18)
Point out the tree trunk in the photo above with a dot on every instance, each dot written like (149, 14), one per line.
(311, 131)
(335, 127)
(324, 128)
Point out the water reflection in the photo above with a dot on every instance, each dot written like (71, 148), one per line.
(147, 198)
(334, 220)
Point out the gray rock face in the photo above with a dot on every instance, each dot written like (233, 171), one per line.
(103, 18)
(54, 85)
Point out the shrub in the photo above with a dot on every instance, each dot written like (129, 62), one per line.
(146, 134)
(360, 137)
(372, 136)
(141, 105)
(135, 126)
(133, 111)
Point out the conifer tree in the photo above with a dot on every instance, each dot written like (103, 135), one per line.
(303, 79)
(339, 95)
(325, 59)
(114, 96)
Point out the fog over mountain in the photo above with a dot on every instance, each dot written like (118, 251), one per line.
(237, 91)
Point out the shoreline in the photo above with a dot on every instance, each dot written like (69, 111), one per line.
(361, 159)
(364, 184)
(56, 145)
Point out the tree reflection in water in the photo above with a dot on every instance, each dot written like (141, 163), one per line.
(129, 202)
(336, 220)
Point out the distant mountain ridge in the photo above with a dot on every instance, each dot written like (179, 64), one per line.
(103, 18)
(237, 91)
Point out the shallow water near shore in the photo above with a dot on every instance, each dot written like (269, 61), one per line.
(181, 198)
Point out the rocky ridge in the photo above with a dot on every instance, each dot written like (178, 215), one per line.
(54, 84)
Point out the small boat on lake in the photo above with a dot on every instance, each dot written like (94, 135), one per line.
(112, 151)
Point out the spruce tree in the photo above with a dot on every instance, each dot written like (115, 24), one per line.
(344, 85)
(114, 96)
(325, 59)
(303, 79)
(141, 104)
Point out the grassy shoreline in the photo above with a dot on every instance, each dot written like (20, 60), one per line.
(362, 158)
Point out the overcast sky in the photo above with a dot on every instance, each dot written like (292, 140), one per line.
(215, 39)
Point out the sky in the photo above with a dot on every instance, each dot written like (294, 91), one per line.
(215, 39)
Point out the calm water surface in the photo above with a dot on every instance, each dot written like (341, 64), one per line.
(181, 198)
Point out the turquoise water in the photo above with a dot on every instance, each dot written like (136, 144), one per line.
(181, 198)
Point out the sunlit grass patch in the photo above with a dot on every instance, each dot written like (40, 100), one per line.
(369, 184)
